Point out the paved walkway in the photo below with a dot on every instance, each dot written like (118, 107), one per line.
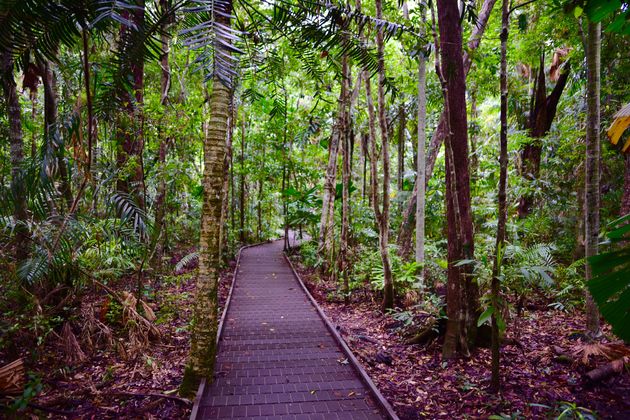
(276, 357)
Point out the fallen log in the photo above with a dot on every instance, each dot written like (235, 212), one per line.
(606, 371)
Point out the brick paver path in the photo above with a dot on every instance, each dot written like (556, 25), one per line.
(276, 357)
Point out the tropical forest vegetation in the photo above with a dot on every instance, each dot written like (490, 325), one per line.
(450, 180)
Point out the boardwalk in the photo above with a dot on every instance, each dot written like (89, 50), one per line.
(277, 359)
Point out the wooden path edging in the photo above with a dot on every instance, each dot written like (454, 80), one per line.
(202, 385)
(365, 378)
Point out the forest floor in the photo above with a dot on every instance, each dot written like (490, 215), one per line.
(419, 384)
(125, 378)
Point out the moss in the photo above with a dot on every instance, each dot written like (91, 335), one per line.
(190, 383)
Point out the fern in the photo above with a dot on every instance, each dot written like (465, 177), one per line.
(185, 261)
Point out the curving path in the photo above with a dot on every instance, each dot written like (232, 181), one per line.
(277, 358)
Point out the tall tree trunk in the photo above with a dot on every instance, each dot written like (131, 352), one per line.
(406, 228)
(17, 157)
(540, 119)
(495, 381)
(51, 128)
(165, 85)
(223, 251)
(205, 311)
(130, 125)
(345, 171)
(324, 248)
(592, 165)
(241, 235)
(421, 159)
(462, 293)
(474, 157)
(402, 122)
(388, 282)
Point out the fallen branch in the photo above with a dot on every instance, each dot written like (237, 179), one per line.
(53, 410)
(12, 378)
(606, 371)
(153, 395)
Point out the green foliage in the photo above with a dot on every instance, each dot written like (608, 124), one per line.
(610, 286)
(566, 410)
(369, 270)
(31, 390)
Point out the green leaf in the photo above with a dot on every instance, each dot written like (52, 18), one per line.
(485, 316)
(598, 10)
(577, 12)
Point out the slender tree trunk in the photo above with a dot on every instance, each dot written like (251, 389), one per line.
(421, 159)
(51, 129)
(344, 129)
(474, 158)
(226, 180)
(401, 146)
(388, 282)
(259, 206)
(406, 228)
(165, 85)
(324, 248)
(495, 381)
(592, 165)
(462, 293)
(242, 235)
(17, 157)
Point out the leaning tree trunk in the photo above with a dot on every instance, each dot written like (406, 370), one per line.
(462, 292)
(540, 119)
(592, 165)
(406, 228)
(17, 157)
(388, 282)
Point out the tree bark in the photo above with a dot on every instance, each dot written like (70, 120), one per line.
(421, 159)
(17, 157)
(495, 381)
(402, 122)
(242, 236)
(388, 282)
(462, 293)
(344, 129)
(51, 129)
(324, 248)
(165, 85)
(540, 119)
(406, 228)
(205, 311)
(592, 166)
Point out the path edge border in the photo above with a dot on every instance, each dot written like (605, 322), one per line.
(202, 385)
(365, 378)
